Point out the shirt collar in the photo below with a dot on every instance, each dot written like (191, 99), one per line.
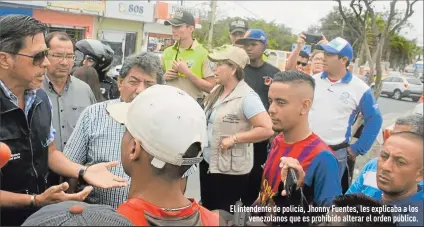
(11, 96)
(346, 79)
(49, 84)
(193, 46)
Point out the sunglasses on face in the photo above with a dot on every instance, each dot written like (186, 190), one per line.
(302, 63)
(38, 58)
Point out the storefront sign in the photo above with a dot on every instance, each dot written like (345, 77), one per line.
(29, 3)
(130, 10)
(165, 11)
(87, 7)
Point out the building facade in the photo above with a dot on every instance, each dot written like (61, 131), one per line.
(122, 27)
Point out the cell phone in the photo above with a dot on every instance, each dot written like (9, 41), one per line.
(312, 38)
(291, 182)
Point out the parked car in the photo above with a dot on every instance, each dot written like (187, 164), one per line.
(417, 110)
(400, 87)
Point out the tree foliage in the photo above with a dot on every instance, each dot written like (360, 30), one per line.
(280, 37)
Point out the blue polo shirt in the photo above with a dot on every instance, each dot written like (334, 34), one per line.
(415, 201)
(335, 107)
(366, 183)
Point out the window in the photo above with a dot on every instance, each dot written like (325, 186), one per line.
(414, 81)
(76, 34)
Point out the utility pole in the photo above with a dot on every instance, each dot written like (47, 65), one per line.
(213, 12)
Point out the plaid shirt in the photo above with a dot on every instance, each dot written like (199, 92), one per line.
(29, 97)
(96, 139)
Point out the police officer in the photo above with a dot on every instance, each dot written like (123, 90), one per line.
(238, 28)
(185, 63)
(94, 53)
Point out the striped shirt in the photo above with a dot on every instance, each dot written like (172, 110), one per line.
(96, 139)
(29, 97)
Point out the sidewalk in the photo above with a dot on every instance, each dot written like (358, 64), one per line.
(388, 119)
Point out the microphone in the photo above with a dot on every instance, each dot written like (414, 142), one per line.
(5, 154)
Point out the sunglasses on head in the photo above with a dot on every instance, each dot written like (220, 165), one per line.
(38, 58)
(302, 63)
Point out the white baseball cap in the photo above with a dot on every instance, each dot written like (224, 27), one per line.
(167, 121)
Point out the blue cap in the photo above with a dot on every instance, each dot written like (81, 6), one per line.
(338, 46)
(253, 34)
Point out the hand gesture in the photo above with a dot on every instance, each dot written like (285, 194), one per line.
(180, 66)
(56, 194)
(285, 164)
(301, 39)
(171, 75)
(323, 40)
(350, 154)
(98, 175)
(226, 143)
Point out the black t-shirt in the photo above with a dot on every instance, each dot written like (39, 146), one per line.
(258, 78)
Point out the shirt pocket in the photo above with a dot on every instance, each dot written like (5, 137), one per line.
(239, 159)
(74, 114)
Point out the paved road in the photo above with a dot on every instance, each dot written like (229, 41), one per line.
(390, 110)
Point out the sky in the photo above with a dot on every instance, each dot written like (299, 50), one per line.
(299, 15)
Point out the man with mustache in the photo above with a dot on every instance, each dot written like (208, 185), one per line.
(97, 137)
(69, 95)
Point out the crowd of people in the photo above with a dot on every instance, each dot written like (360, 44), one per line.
(89, 150)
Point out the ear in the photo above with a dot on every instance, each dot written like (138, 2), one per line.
(6, 61)
(119, 83)
(135, 150)
(306, 106)
(420, 175)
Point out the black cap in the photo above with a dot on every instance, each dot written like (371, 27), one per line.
(238, 25)
(180, 18)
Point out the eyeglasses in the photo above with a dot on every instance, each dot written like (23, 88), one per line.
(38, 58)
(302, 63)
(60, 57)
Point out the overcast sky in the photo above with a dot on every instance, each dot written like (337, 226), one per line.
(299, 15)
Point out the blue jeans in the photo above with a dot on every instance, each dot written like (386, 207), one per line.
(341, 156)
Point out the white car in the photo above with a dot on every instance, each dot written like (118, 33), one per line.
(400, 87)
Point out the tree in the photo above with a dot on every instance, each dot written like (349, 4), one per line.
(402, 51)
(279, 36)
(392, 22)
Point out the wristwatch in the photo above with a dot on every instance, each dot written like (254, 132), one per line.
(81, 174)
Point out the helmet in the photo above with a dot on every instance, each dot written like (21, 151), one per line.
(99, 52)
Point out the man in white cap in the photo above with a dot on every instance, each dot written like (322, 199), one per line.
(339, 98)
(155, 164)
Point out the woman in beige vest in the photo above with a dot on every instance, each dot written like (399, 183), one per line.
(236, 119)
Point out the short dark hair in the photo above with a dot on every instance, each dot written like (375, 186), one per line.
(62, 36)
(15, 28)
(148, 62)
(294, 76)
(172, 172)
(361, 200)
(304, 54)
(347, 63)
(416, 121)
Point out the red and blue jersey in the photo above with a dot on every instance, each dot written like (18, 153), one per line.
(322, 181)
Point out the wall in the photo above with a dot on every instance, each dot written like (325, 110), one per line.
(154, 28)
(119, 25)
(14, 10)
(67, 19)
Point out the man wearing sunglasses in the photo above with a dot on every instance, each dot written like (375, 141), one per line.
(69, 95)
(339, 98)
(26, 127)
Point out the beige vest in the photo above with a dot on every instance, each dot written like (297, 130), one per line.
(229, 120)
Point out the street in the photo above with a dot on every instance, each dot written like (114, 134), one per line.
(391, 109)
